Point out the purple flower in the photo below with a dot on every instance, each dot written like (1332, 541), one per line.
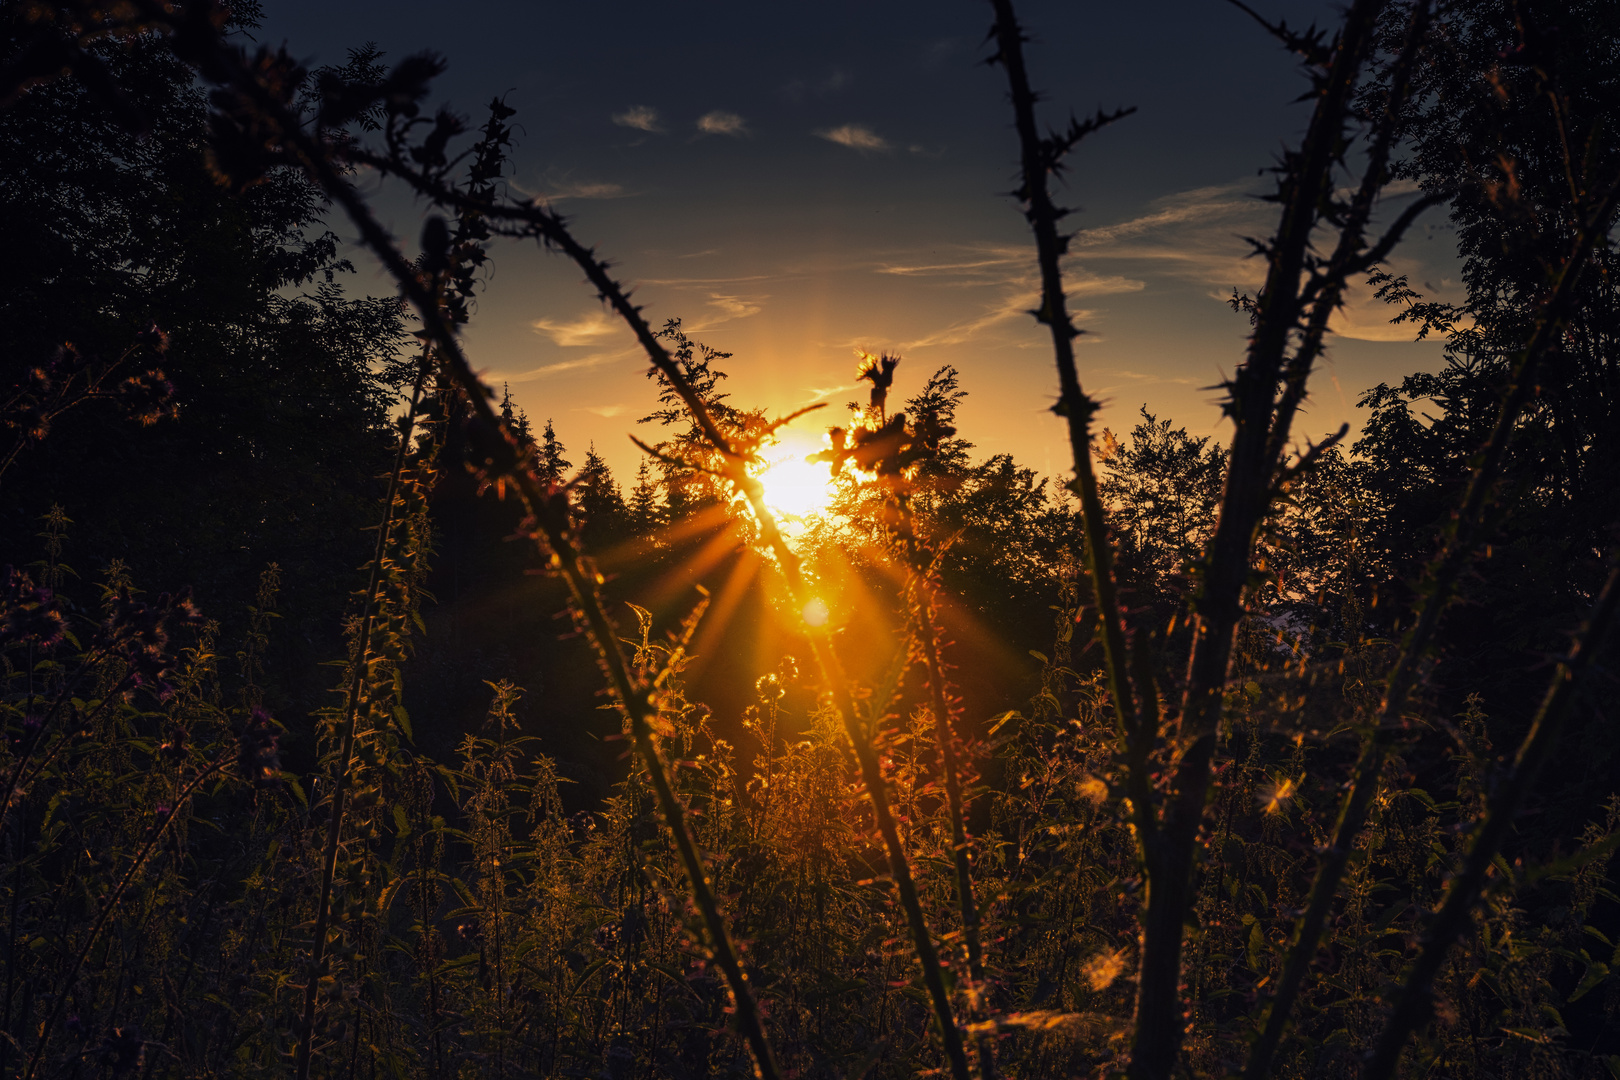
(259, 757)
(29, 612)
(138, 633)
(149, 396)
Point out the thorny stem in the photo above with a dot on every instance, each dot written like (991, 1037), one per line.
(548, 520)
(1414, 1003)
(1218, 607)
(1073, 403)
(1295, 377)
(1138, 726)
(1438, 587)
(735, 470)
(1348, 256)
(550, 229)
(108, 908)
(340, 778)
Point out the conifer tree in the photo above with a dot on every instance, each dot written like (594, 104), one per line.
(645, 513)
(606, 518)
(553, 465)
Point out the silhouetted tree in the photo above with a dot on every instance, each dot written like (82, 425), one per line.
(644, 512)
(553, 464)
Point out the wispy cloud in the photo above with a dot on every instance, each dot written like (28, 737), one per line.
(856, 137)
(1220, 205)
(560, 189)
(640, 117)
(720, 122)
(1011, 266)
(994, 261)
(700, 282)
(587, 190)
(585, 330)
(735, 307)
(1012, 305)
(1193, 235)
(582, 363)
(608, 411)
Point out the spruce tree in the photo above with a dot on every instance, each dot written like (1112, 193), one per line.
(645, 513)
(598, 496)
(553, 465)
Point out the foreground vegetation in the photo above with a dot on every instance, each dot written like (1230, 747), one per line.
(1287, 790)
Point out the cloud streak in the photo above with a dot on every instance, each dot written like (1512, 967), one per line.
(639, 117)
(582, 363)
(561, 190)
(720, 122)
(856, 137)
(735, 307)
(585, 330)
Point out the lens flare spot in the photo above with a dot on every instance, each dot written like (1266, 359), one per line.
(816, 613)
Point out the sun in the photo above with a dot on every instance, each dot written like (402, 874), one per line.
(794, 487)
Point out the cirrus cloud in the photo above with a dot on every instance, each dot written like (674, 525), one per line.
(585, 330)
(855, 136)
(640, 117)
(720, 122)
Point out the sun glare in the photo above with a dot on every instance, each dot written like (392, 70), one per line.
(794, 487)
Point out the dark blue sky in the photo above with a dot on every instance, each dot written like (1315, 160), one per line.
(799, 180)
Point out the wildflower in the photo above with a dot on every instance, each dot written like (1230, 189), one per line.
(29, 612)
(879, 370)
(1101, 970)
(259, 757)
(138, 633)
(149, 397)
(174, 747)
(154, 338)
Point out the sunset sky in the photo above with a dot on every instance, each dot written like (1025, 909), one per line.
(797, 181)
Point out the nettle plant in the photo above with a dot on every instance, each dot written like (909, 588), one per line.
(1198, 849)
